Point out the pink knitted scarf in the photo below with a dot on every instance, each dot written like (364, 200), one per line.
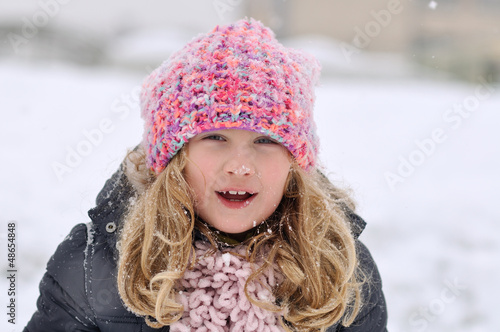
(213, 294)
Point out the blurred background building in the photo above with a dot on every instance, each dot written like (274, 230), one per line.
(456, 36)
(459, 36)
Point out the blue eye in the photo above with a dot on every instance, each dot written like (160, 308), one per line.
(214, 137)
(265, 140)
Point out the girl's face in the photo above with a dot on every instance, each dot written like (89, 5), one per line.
(238, 177)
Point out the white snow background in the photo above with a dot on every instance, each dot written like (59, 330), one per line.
(434, 236)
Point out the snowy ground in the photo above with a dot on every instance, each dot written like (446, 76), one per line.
(433, 228)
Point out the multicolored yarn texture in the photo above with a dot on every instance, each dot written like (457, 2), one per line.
(213, 294)
(237, 76)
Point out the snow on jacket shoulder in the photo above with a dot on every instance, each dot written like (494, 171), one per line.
(79, 293)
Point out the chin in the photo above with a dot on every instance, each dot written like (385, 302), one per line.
(234, 231)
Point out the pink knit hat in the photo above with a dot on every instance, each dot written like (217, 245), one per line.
(237, 76)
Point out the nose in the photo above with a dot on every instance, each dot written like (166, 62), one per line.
(240, 163)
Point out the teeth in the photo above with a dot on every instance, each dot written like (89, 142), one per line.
(234, 192)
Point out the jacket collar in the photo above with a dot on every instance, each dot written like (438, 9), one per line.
(111, 206)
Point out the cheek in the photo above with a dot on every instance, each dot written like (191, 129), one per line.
(200, 175)
(276, 180)
(195, 179)
(279, 168)
(202, 161)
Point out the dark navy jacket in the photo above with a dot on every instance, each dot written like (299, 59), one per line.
(79, 292)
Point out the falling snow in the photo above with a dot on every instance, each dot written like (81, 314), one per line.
(441, 223)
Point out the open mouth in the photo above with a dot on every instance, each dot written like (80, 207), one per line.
(234, 199)
(235, 196)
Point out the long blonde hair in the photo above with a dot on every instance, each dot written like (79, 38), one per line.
(310, 241)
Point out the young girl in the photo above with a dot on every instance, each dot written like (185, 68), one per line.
(219, 220)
